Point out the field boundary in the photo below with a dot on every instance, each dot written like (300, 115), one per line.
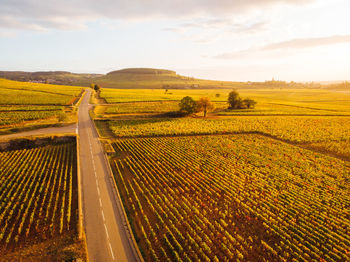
(79, 98)
(80, 210)
(82, 94)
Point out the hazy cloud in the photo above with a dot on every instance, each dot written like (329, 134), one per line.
(298, 43)
(249, 28)
(309, 42)
(72, 14)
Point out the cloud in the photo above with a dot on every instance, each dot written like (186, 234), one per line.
(309, 42)
(245, 28)
(72, 14)
(299, 43)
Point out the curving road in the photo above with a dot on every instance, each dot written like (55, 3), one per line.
(106, 234)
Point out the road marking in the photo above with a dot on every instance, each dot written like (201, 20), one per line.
(100, 202)
(103, 215)
(98, 191)
(110, 247)
(106, 230)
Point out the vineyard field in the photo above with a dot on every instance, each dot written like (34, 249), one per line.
(148, 107)
(26, 105)
(38, 195)
(142, 107)
(293, 101)
(15, 117)
(233, 198)
(297, 129)
(22, 93)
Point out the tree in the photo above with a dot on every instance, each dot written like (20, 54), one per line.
(234, 100)
(204, 104)
(188, 105)
(249, 103)
(97, 87)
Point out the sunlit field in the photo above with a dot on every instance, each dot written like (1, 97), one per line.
(31, 105)
(266, 183)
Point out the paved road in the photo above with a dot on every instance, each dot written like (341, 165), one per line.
(107, 238)
(43, 131)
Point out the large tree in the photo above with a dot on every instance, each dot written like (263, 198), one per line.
(204, 104)
(188, 105)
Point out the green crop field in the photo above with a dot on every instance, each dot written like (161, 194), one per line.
(234, 198)
(38, 195)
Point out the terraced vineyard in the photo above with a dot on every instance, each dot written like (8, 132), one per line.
(233, 198)
(38, 194)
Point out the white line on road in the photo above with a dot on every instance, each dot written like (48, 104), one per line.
(110, 247)
(100, 202)
(103, 215)
(106, 231)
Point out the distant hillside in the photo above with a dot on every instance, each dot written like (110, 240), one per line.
(50, 77)
(157, 78)
(133, 78)
(142, 71)
(341, 86)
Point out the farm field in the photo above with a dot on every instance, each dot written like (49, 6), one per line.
(263, 184)
(24, 93)
(31, 105)
(138, 108)
(302, 117)
(38, 198)
(298, 129)
(234, 198)
(284, 99)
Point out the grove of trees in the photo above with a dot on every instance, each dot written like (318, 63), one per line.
(189, 106)
(236, 102)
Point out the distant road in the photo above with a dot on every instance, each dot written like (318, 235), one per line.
(43, 131)
(107, 238)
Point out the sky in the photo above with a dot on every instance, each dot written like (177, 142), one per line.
(238, 40)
